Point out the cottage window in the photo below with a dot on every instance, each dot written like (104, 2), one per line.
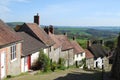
(13, 51)
(81, 54)
(50, 49)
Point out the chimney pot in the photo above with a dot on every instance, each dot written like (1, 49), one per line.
(46, 29)
(36, 19)
(89, 43)
(74, 38)
(65, 33)
(51, 29)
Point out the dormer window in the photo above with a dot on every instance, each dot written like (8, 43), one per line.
(13, 51)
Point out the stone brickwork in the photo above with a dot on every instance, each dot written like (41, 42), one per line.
(90, 63)
(14, 66)
(68, 57)
(106, 63)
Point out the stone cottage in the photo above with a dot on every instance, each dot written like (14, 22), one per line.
(57, 46)
(79, 53)
(34, 30)
(100, 54)
(89, 59)
(30, 51)
(66, 50)
(10, 51)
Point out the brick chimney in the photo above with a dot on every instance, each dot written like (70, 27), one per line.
(74, 38)
(65, 33)
(89, 43)
(36, 19)
(51, 29)
(46, 29)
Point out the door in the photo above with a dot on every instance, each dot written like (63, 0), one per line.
(2, 65)
(29, 61)
(96, 64)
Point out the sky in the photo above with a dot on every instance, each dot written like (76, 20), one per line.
(62, 12)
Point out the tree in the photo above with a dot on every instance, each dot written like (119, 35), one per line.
(110, 44)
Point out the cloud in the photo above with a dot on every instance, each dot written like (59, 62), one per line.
(5, 9)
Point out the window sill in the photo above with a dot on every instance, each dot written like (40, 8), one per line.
(14, 60)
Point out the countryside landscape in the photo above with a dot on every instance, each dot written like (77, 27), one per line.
(84, 33)
(59, 40)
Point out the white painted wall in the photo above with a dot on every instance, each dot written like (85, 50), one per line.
(45, 51)
(79, 57)
(24, 65)
(34, 57)
(99, 62)
(2, 66)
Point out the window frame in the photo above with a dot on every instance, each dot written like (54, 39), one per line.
(13, 55)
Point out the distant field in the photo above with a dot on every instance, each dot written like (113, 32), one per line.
(86, 33)
(80, 31)
(83, 33)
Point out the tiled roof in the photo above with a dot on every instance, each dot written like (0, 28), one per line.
(77, 48)
(54, 38)
(97, 50)
(34, 30)
(7, 35)
(66, 44)
(88, 54)
(30, 44)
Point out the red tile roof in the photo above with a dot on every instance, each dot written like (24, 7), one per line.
(77, 48)
(66, 44)
(54, 38)
(88, 54)
(7, 35)
(37, 32)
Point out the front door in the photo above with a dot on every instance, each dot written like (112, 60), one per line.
(29, 61)
(2, 65)
(96, 64)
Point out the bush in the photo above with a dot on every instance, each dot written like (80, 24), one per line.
(43, 62)
(61, 63)
(53, 66)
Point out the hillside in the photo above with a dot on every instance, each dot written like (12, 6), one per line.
(83, 32)
(13, 24)
(87, 33)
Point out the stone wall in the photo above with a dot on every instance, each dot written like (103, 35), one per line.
(90, 63)
(14, 66)
(68, 57)
(106, 63)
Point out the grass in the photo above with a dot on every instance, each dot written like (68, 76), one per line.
(82, 42)
(22, 74)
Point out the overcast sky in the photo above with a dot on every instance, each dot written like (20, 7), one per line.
(63, 12)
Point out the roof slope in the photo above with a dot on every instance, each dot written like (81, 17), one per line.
(77, 48)
(66, 44)
(7, 35)
(97, 50)
(34, 30)
(30, 44)
(54, 38)
(88, 54)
